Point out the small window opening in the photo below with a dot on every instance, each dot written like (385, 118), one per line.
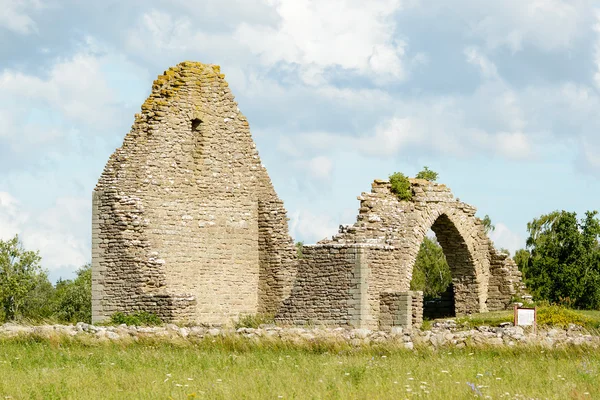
(197, 138)
(196, 124)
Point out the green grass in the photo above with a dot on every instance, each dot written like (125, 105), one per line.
(229, 368)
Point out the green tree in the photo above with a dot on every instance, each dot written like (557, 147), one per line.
(564, 261)
(487, 224)
(504, 250)
(19, 270)
(521, 258)
(400, 185)
(38, 303)
(431, 273)
(427, 174)
(300, 249)
(73, 299)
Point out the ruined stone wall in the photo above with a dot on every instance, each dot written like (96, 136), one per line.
(396, 310)
(278, 263)
(505, 281)
(417, 308)
(186, 223)
(330, 287)
(401, 309)
(390, 233)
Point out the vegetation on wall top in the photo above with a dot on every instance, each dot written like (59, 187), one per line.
(427, 174)
(400, 186)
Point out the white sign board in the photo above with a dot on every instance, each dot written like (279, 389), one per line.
(525, 316)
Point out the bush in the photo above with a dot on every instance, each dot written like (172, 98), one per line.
(299, 249)
(38, 305)
(427, 174)
(73, 298)
(141, 318)
(560, 317)
(254, 321)
(400, 186)
(19, 275)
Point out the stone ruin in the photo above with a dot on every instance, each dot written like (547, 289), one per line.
(186, 225)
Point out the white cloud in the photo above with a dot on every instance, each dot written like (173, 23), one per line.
(512, 145)
(76, 87)
(320, 167)
(351, 34)
(15, 16)
(310, 228)
(475, 57)
(597, 50)
(11, 217)
(503, 237)
(488, 121)
(547, 24)
(60, 232)
(161, 37)
(392, 136)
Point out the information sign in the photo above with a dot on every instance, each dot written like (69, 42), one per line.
(525, 317)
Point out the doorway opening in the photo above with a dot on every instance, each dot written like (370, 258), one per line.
(431, 275)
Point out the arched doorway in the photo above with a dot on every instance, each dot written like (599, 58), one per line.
(451, 255)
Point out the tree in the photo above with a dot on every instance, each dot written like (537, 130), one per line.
(487, 224)
(38, 303)
(427, 174)
(521, 258)
(19, 270)
(400, 185)
(564, 259)
(431, 273)
(73, 300)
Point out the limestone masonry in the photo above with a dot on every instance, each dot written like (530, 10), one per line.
(186, 224)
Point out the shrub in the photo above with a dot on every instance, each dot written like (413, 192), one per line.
(73, 298)
(254, 320)
(19, 270)
(400, 186)
(427, 174)
(39, 303)
(299, 248)
(141, 318)
(561, 317)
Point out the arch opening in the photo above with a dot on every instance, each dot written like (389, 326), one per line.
(431, 275)
(455, 290)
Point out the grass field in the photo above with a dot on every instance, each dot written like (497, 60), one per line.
(236, 369)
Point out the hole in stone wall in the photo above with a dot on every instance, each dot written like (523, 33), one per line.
(432, 276)
(196, 124)
(198, 140)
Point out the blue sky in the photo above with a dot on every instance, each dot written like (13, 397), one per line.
(500, 97)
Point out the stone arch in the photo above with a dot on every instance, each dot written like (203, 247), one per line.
(468, 267)
(365, 270)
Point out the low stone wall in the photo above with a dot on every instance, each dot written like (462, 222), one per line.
(417, 309)
(395, 310)
(441, 335)
(401, 309)
(329, 288)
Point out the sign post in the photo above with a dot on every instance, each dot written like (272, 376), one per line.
(524, 316)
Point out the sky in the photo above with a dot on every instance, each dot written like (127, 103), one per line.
(500, 97)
